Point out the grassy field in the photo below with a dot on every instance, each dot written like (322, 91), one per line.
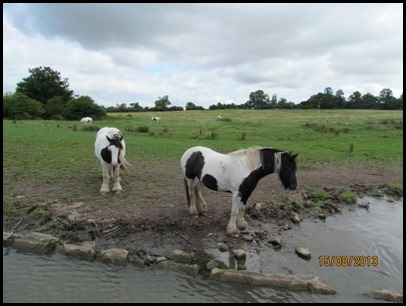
(51, 152)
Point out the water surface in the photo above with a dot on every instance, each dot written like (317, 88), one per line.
(377, 231)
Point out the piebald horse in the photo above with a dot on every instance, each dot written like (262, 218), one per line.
(110, 150)
(237, 172)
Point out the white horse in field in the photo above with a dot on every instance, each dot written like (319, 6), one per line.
(157, 119)
(237, 172)
(110, 150)
(86, 121)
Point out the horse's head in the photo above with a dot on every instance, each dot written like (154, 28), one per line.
(115, 140)
(287, 172)
(116, 146)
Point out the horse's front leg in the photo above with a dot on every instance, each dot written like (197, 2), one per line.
(116, 186)
(201, 203)
(241, 223)
(232, 229)
(106, 179)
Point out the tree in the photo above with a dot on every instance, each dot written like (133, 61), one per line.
(369, 101)
(328, 91)
(274, 100)
(44, 84)
(83, 106)
(162, 103)
(385, 94)
(192, 106)
(339, 99)
(136, 107)
(354, 100)
(258, 100)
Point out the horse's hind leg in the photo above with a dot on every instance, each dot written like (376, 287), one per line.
(191, 185)
(201, 203)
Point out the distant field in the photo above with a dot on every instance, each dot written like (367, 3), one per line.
(50, 151)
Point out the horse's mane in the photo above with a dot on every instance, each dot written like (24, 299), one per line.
(255, 159)
(253, 155)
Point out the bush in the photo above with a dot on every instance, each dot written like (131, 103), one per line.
(20, 107)
(83, 106)
(143, 129)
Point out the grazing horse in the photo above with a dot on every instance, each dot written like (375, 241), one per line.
(237, 172)
(157, 119)
(110, 150)
(86, 121)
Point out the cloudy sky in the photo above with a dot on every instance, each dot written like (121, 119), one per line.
(206, 53)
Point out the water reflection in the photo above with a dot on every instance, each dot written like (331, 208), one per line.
(377, 231)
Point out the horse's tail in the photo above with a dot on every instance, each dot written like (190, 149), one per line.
(187, 192)
(124, 163)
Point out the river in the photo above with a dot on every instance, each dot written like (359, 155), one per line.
(374, 234)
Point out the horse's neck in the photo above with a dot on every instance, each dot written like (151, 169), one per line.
(271, 160)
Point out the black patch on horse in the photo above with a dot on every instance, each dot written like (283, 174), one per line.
(210, 182)
(194, 165)
(106, 155)
(248, 185)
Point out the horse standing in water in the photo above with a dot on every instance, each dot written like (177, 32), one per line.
(237, 172)
(110, 150)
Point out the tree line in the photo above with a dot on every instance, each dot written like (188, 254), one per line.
(44, 94)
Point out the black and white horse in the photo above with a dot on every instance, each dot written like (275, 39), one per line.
(86, 121)
(157, 119)
(110, 150)
(237, 172)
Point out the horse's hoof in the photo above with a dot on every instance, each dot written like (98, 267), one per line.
(117, 191)
(104, 193)
(234, 234)
(242, 226)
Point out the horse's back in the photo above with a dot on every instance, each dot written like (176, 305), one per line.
(190, 151)
(195, 154)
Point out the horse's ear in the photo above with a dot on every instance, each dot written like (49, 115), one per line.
(294, 156)
(121, 138)
(108, 138)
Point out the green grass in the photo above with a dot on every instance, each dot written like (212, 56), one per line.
(51, 152)
(348, 196)
(395, 189)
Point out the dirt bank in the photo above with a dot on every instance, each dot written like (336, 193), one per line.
(154, 217)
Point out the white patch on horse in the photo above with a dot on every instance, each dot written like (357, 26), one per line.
(237, 172)
(110, 150)
(157, 119)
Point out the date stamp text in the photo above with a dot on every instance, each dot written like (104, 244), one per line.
(348, 261)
